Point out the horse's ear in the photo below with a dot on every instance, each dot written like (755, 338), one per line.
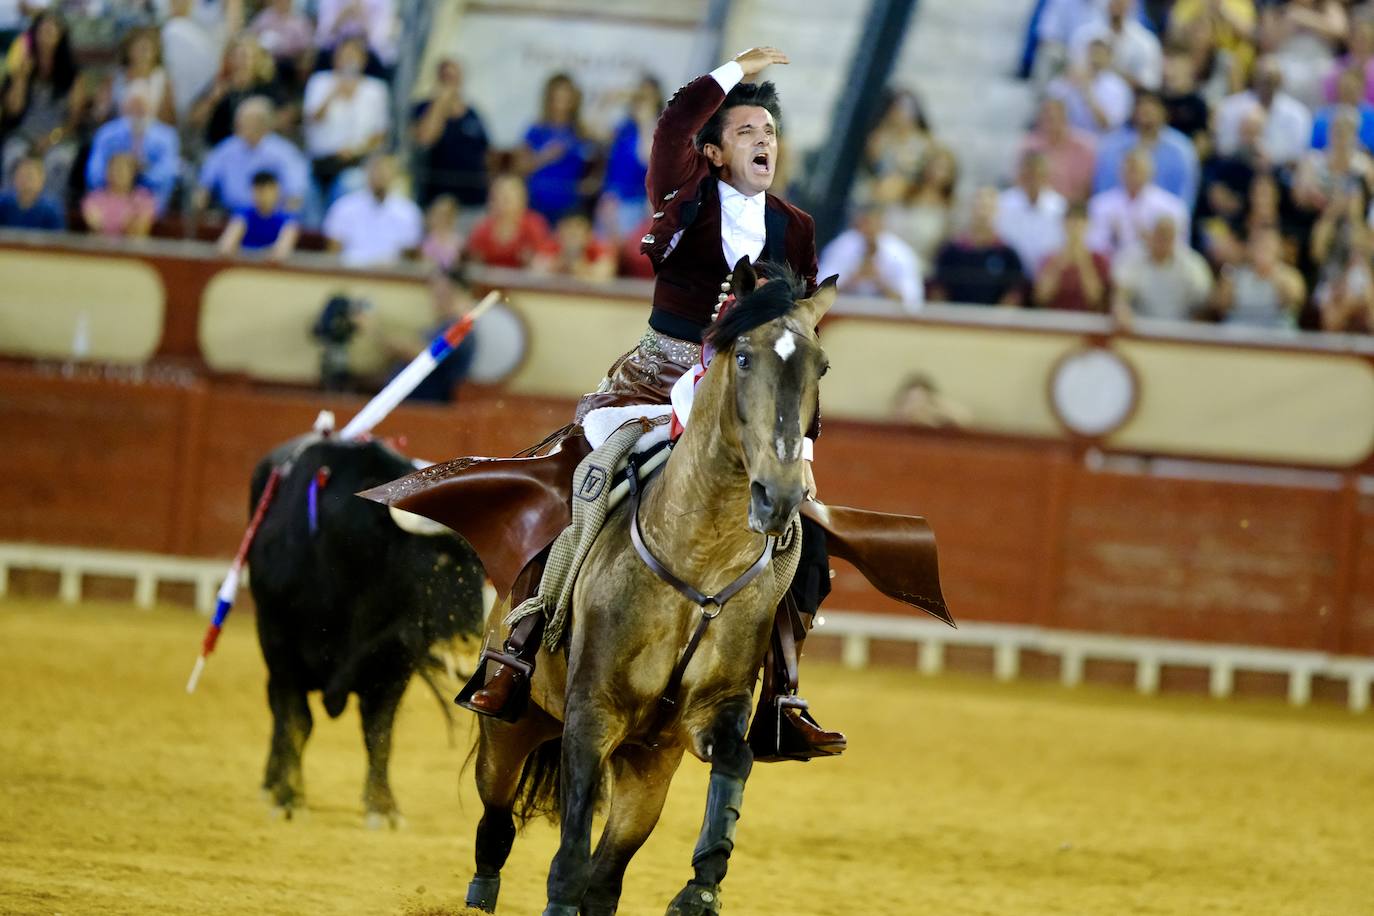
(813, 310)
(743, 280)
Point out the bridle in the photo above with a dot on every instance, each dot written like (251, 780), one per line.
(710, 605)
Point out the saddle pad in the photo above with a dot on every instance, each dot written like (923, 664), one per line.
(598, 424)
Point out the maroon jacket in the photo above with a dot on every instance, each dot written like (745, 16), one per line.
(683, 192)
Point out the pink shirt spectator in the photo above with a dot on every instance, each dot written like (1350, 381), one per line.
(1334, 77)
(117, 212)
(1070, 163)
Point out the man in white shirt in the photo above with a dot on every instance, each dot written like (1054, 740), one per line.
(1288, 125)
(1030, 214)
(1162, 278)
(872, 262)
(1136, 53)
(346, 115)
(1095, 97)
(1124, 216)
(374, 226)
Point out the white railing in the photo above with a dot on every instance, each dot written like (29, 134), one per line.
(856, 631)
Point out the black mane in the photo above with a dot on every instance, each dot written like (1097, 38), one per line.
(767, 302)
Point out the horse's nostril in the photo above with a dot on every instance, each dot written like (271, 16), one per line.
(759, 494)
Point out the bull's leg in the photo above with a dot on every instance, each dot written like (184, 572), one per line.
(642, 777)
(731, 761)
(378, 706)
(588, 740)
(291, 723)
(502, 750)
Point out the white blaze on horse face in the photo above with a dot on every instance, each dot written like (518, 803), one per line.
(786, 345)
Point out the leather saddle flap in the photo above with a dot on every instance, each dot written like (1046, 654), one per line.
(895, 553)
(508, 509)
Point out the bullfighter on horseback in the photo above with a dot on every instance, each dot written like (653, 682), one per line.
(715, 155)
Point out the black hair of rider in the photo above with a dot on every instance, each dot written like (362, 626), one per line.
(760, 95)
(264, 177)
(757, 306)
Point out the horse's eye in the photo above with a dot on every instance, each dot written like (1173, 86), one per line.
(742, 360)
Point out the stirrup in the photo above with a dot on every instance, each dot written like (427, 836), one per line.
(772, 739)
(519, 697)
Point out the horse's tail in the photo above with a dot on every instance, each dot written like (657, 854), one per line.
(536, 795)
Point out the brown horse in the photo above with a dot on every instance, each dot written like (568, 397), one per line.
(734, 481)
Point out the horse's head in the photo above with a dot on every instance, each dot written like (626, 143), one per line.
(767, 340)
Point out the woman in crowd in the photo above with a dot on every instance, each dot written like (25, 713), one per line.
(925, 218)
(287, 35)
(896, 149)
(443, 243)
(1303, 36)
(556, 153)
(624, 200)
(511, 234)
(42, 100)
(246, 70)
(121, 208)
(1074, 278)
(1261, 291)
(140, 70)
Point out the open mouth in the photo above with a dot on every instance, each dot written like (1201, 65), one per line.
(761, 164)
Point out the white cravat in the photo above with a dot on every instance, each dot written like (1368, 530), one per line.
(742, 227)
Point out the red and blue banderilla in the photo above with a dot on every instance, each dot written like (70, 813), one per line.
(374, 412)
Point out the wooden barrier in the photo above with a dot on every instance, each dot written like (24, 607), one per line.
(1029, 534)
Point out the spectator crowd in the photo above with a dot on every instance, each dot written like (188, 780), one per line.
(1188, 160)
(268, 126)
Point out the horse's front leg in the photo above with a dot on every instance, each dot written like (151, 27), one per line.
(731, 761)
(589, 737)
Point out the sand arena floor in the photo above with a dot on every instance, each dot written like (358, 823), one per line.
(120, 794)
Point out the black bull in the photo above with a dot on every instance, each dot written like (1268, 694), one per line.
(348, 604)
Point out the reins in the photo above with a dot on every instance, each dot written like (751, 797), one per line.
(710, 605)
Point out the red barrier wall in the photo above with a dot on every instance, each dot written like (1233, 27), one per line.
(1027, 533)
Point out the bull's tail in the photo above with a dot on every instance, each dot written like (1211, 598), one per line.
(536, 795)
(426, 672)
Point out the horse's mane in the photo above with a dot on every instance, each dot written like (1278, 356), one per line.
(769, 301)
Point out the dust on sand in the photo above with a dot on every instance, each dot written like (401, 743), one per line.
(121, 794)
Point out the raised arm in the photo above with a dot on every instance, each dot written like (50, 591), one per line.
(674, 156)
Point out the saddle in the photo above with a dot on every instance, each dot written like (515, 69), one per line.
(511, 509)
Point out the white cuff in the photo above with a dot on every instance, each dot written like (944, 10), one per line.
(728, 75)
(808, 450)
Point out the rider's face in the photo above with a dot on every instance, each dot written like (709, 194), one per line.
(748, 154)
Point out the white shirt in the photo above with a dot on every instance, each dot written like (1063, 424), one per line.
(372, 232)
(1060, 18)
(1287, 132)
(1034, 230)
(1135, 49)
(1111, 93)
(895, 261)
(742, 227)
(1117, 221)
(1168, 291)
(348, 123)
(191, 55)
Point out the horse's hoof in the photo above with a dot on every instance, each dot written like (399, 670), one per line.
(696, 900)
(483, 891)
(287, 812)
(376, 820)
(560, 909)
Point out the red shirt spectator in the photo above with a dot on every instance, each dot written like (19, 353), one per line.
(633, 262)
(574, 252)
(510, 235)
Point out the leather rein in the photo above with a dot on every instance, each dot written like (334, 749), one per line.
(710, 605)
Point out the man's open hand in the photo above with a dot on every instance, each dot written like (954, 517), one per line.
(756, 60)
